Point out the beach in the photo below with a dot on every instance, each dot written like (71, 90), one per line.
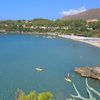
(89, 40)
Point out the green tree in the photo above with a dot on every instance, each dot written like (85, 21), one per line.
(45, 96)
(33, 95)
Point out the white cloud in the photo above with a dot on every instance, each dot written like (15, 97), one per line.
(72, 11)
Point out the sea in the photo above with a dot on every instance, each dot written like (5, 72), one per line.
(20, 55)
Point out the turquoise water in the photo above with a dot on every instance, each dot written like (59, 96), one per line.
(21, 54)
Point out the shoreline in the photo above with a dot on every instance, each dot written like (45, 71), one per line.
(89, 40)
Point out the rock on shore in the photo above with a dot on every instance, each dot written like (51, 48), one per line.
(92, 72)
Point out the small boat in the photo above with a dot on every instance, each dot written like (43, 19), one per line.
(39, 69)
(68, 79)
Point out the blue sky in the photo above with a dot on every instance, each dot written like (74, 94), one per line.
(50, 9)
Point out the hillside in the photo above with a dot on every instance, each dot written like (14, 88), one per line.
(89, 14)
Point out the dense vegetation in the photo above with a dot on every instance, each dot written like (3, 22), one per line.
(33, 95)
(78, 27)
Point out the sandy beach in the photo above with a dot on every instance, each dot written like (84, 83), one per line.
(89, 40)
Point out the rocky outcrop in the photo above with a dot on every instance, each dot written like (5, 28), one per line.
(92, 72)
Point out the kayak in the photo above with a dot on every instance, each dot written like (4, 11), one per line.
(39, 69)
(67, 79)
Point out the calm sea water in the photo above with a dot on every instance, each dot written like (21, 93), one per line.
(21, 54)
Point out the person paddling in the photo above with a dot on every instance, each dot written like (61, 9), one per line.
(67, 78)
(68, 75)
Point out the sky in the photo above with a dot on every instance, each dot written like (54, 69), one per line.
(49, 9)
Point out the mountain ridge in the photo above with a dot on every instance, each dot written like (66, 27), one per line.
(88, 14)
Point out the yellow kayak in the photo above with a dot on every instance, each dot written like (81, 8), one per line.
(67, 79)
